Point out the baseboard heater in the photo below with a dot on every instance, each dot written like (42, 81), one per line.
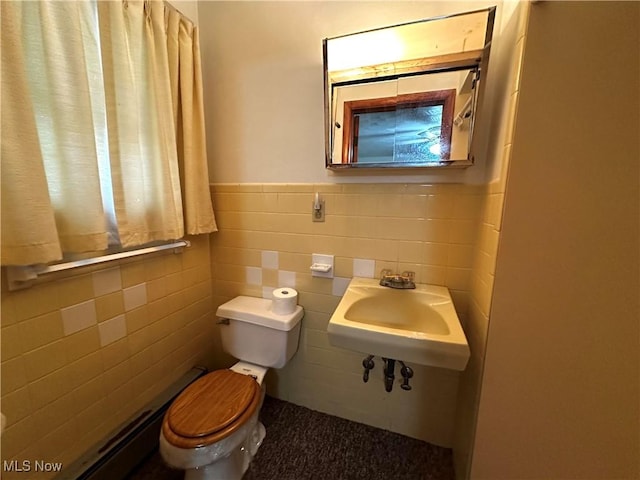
(116, 457)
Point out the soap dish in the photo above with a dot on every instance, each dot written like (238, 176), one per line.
(320, 267)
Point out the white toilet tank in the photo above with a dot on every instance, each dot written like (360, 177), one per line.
(257, 335)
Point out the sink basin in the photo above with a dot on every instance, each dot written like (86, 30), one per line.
(415, 325)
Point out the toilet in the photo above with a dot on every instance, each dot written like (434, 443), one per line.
(211, 430)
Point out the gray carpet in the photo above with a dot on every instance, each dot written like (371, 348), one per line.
(302, 444)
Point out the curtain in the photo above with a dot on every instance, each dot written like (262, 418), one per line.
(144, 164)
(48, 169)
(188, 112)
(27, 237)
(95, 146)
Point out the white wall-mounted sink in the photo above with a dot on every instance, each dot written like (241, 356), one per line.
(414, 325)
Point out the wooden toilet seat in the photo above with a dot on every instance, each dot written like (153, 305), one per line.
(210, 409)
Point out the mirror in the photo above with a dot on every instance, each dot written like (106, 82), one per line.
(406, 95)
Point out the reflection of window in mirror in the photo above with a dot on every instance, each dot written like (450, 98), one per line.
(408, 128)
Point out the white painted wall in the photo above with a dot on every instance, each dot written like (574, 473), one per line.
(263, 85)
(187, 7)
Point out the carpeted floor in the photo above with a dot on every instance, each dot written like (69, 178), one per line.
(302, 444)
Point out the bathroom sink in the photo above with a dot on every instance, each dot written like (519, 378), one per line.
(413, 325)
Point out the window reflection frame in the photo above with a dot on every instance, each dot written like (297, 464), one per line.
(446, 98)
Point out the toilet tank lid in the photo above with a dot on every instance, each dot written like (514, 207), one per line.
(258, 311)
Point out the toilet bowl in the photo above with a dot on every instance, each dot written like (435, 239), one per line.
(211, 430)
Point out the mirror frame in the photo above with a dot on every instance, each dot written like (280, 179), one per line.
(474, 60)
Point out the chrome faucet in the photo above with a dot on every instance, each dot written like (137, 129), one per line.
(397, 280)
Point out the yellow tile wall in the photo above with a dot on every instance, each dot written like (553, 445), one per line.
(429, 229)
(61, 393)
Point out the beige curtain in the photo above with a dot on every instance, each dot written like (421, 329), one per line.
(144, 164)
(188, 111)
(54, 62)
(28, 235)
(98, 148)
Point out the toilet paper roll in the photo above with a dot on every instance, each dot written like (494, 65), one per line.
(284, 301)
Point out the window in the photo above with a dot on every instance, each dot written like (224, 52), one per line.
(92, 104)
(408, 128)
